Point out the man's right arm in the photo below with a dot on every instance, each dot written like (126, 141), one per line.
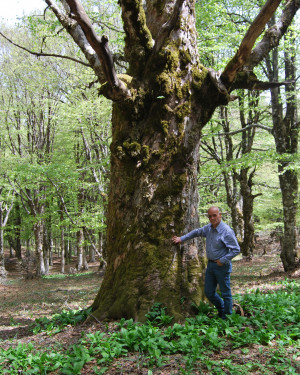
(199, 232)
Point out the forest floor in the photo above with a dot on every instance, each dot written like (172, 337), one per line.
(24, 300)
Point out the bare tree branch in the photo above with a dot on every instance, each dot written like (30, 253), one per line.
(248, 80)
(273, 35)
(42, 54)
(22, 194)
(8, 210)
(79, 38)
(264, 127)
(100, 46)
(244, 51)
(7, 214)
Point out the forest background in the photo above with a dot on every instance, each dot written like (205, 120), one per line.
(55, 136)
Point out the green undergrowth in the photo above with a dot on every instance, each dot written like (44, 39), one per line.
(271, 325)
(59, 321)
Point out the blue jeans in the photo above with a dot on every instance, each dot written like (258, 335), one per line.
(219, 275)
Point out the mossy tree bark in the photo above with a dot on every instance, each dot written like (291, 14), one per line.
(153, 188)
(160, 106)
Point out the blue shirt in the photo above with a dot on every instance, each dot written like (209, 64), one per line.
(221, 242)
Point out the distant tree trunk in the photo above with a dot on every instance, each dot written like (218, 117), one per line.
(81, 255)
(231, 179)
(38, 235)
(68, 248)
(51, 251)
(46, 248)
(249, 115)
(92, 255)
(286, 132)
(232, 197)
(62, 241)
(2, 265)
(50, 245)
(4, 214)
(248, 244)
(17, 230)
(27, 247)
(79, 247)
(100, 244)
(62, 249)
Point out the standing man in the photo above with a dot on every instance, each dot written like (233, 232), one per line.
(221, 247)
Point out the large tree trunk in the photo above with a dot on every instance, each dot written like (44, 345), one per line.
(153, 189)
(153, 195)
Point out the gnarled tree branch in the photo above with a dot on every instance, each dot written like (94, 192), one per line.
(100, 46)
(79, 38)
(248, 80)
(247, 127)
(244, 51)
(273, 35)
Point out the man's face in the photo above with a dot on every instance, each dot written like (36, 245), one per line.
(214, 216)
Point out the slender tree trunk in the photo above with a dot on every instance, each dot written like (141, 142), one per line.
(17, 231)
(62, 247)
(62, 241)
(91, 255)
(51, 245)
(248, 243)
(81, 256)
(38, 235)
(79, 247)
(286, 131)
(68, 248)
(27, 247)
(233, 203)
(51, 251)
(46, 251)
(2, 265)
